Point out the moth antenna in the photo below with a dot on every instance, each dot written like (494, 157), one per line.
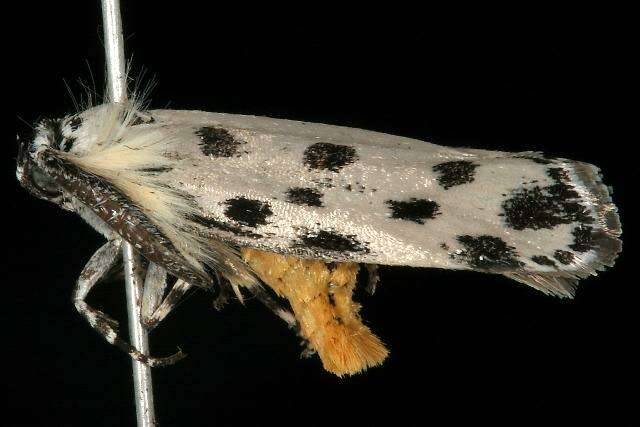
(26, 122)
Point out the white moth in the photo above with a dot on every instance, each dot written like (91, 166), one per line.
(189, 188)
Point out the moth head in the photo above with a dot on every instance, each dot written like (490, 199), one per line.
(32, 171)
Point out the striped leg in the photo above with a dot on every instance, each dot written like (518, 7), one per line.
(224, 293)
(373, 277)
(155, 285)
(154, 312)
(97, 267)
(263, 296)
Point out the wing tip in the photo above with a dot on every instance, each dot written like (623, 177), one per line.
(607, 227)
(605, 241)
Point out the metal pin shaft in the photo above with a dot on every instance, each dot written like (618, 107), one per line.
(117, 92)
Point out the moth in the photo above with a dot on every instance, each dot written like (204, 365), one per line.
(289, 210)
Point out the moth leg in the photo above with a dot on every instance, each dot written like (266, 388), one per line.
(155, 285)
(224, 294)
(373, 278)
(179, 289)
(97, 267)
(266, 299)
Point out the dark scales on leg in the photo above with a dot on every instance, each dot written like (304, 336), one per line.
(248, 212)
(93, 273)
(332, 241)
(323, 155)
(416, 210)
(545, 207)
(304, 196)
(488, 253)
(455, 173)
(217, 142)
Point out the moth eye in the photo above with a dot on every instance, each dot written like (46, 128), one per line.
(44, 184)
(23, 149)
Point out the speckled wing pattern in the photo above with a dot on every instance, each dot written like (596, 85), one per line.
(342, 194)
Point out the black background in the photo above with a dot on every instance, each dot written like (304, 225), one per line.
(465, 347)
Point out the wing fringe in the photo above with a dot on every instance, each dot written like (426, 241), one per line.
(605, 236)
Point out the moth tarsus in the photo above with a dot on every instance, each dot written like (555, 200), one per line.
(96, 269)
(255, 203)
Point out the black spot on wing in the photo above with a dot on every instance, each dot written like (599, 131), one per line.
(541, 159)
(304, 196)
(582, 239)
(247, 212)
(332, 241)
(230, 228)
(75, 122)
(54, 129)
(217, 142)
(565, 257)
(545, 207)
(360, 188)
(323, 155)
(155, 170)
(325, 182)
(488, 253)
(416, 210)
(142, 119)
(454, 173)
(67, 144)
(543, 260)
